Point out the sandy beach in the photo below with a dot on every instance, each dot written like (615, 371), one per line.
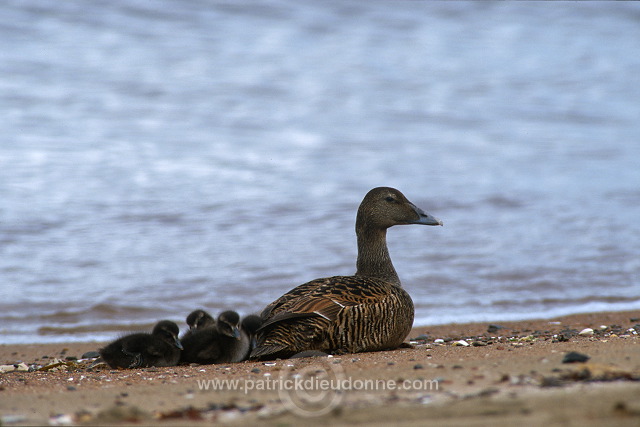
(506, 373)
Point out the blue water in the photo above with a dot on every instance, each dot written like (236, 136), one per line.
(159, 157)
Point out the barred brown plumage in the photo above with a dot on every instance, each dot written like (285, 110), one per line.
(368, 311)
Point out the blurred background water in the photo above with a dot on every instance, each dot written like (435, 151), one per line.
(156, 157)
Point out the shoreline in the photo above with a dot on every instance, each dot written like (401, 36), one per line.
(513, 374)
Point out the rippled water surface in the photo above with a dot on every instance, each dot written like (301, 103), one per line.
(159, 157)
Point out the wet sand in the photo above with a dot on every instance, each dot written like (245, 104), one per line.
(510, 376)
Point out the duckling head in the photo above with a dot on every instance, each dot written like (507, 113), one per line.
(168, 331)
(229, 324)
(199, 319)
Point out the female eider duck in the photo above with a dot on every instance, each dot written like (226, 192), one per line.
(141, 350)
(225, 342)
(368, 311)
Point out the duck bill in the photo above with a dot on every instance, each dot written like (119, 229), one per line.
(424, 218)
(236, 333)
(178, 344)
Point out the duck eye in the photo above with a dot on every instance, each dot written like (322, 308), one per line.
(390, 199)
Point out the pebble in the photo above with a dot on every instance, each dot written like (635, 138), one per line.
(90, 355)
(418, 366)
(494, 328)
(438, 341)
(586, 332)
(19, 367)
(462, 343)
(478, 343)
(575, 357)
(255, 370)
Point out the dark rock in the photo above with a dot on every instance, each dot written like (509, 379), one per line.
(90, 355)
(494, 328)
(634, 319)
(418, 366)
(478, 344)
(255, 370)
(422, 337)
(71, 388)
(575, 357)
(569, 332)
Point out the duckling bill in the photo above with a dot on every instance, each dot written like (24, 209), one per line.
(141, 350)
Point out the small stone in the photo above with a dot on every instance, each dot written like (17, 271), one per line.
(71, 388)
(586, 332)
(575, 357)
(478, 343)
(90, 355)
(603, 327)
(462, 343)
(438, 341)
(422, 337)
(418, 366)
(256, 370)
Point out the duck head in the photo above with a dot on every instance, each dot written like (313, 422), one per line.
(384, 207)
(168, 331)
(199, 319)
(229, 324)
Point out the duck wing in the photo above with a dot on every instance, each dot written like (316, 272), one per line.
(310, 314)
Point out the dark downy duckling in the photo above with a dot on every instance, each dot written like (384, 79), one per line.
(199, 319)
(250, 326)
(159, 348)
(222, 343)
(368, 311)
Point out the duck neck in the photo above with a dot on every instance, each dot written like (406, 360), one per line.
(373, 255)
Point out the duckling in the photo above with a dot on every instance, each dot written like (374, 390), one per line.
(250, 326)
(198, 319)
(141, 350)
(223, 343)
(368, 311)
